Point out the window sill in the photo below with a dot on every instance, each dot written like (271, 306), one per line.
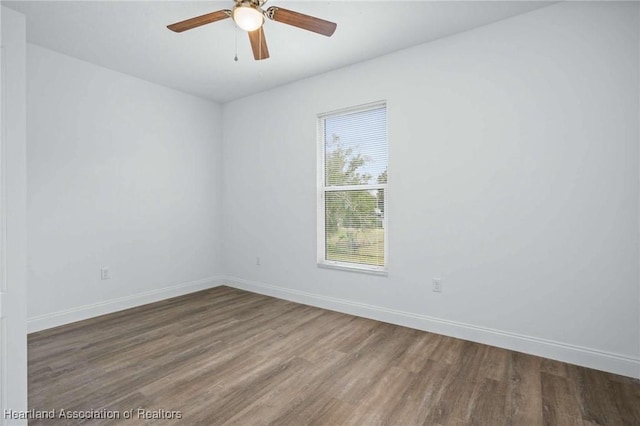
(352, 268)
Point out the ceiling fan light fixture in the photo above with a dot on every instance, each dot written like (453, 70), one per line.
(247, 17)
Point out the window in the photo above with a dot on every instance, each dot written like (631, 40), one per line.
(352, 182)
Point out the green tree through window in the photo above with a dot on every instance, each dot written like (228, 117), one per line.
(355, 178)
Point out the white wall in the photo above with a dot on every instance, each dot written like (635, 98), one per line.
(13, 229)
(513, 177)
(121, 173)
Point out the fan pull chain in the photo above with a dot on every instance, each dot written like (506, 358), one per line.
(236, 37)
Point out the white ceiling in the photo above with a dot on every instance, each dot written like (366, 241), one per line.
(131, 37)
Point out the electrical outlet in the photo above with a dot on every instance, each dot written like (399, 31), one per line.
(437, 285)
(104, 273)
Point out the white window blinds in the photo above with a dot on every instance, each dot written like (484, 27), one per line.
(352, 214)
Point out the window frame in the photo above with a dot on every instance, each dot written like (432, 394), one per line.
(322, 189)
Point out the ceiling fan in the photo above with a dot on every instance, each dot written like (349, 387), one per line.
(249, 15)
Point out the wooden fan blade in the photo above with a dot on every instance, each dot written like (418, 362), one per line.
(301, 20)
(199, 21)
(258, 44)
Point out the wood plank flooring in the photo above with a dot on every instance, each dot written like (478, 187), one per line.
(226, 356)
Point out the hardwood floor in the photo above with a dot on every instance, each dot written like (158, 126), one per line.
(225, 356)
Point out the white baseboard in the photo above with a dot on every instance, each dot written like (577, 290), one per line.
(55, 319)
(586, 357)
